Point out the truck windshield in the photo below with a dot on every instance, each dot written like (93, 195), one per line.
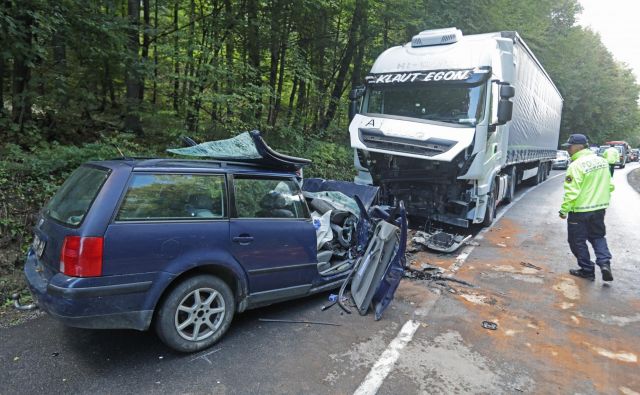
(459, 104)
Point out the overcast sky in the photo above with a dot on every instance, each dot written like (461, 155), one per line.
(617, 21)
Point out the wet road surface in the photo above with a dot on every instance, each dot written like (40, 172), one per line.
(556, 333)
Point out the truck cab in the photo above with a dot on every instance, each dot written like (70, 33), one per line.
(450, 124)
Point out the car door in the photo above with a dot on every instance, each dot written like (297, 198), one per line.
(167, 222)
(272, 237)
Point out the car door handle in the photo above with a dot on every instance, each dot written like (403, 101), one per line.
(243, 239)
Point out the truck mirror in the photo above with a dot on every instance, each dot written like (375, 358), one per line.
(507, 91)
(356, 93)
(505, 111)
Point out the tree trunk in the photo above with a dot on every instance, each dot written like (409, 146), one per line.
(283, 54)
(21, 97)
(176, 63)
(1, 85)
(132, 78)
(253, 50)
(187, 86)
(363, 39)
(292, 98)
(154, 98)
(358, 16)
(229, 48)
(60, 65)
(301, 104)
(274, 50)
(145, 45)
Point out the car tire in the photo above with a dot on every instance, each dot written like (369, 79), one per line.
(195, 314)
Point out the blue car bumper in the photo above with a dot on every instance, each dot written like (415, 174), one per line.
(111, 302)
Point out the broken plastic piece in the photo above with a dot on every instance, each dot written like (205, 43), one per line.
(489, 325)
(440, 241)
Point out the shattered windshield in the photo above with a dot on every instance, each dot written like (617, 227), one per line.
(459, 103)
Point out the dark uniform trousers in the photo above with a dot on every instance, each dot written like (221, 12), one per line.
(588, 226)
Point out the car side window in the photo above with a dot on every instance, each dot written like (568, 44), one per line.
(268, 198)
(174, 197)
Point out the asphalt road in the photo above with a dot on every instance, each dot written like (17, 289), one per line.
(555, 334)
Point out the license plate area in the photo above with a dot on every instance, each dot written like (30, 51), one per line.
(38, 245)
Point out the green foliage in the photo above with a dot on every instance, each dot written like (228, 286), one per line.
(28, 178)
(211, 69)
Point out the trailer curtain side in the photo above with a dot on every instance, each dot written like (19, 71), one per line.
(535, 127)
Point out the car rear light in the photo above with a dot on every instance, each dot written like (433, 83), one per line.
(81, 256)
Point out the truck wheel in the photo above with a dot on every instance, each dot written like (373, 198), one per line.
(545, 171)
(195, 314)
(490, 212)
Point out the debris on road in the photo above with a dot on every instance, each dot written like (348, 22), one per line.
(530, 265)
(438, 240)
(298, 322)
(489, 325)
(432, 273)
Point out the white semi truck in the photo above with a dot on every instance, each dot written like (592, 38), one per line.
(451, 124)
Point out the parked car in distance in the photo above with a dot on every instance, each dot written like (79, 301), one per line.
(622, 157)
(182, 245)
(625, 149)
(562, 160)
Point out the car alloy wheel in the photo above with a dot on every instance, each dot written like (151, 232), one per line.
(199, 314)
(195, 313)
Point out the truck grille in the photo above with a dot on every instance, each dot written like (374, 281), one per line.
(374, 138)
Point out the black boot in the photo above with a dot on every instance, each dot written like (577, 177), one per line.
(605, 268)
(583, 274)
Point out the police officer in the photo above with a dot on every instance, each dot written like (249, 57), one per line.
(612, 155)
(587, 191)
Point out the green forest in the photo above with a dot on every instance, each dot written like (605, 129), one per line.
(92, 79)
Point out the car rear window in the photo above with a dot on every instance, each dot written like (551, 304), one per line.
(173, 197)
(73, 200)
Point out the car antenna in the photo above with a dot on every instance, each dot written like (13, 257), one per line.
(122, 155)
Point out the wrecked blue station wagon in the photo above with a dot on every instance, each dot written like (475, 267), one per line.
(181, 245)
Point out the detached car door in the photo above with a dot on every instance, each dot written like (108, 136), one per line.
(272, 237)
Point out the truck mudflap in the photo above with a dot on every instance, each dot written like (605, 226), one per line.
(378, 272)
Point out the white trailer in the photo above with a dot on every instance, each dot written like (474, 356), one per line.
(451, 124)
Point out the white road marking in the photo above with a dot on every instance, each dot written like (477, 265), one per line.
(384, 365)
